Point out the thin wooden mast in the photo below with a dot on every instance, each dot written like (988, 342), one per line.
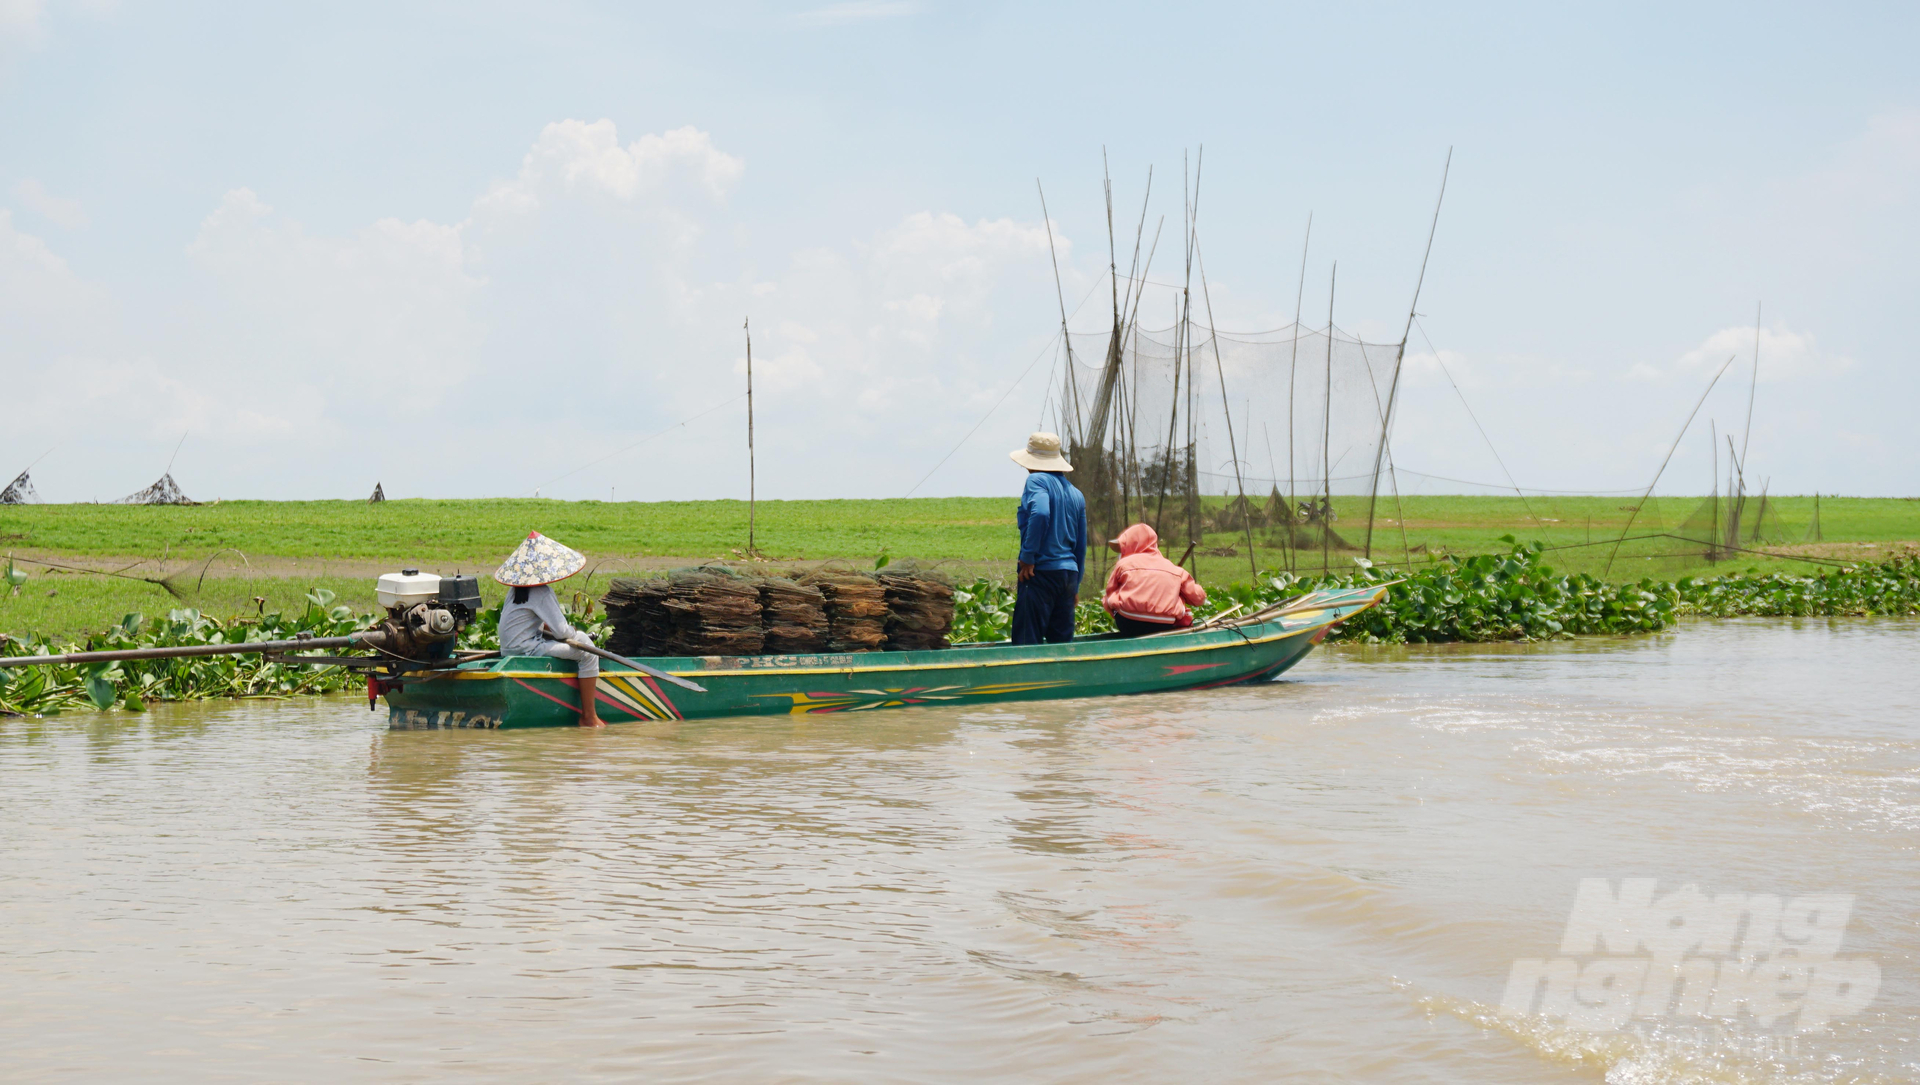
(1195, 529)
(1393, 386)
(752, 495)
(1070, 402)
(1233, 448)
(1326, 434)
(1124, 402)
(1632, 515)
(1173, 416)
(1293, 363)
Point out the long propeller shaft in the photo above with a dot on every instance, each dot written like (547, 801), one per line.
(186, 651)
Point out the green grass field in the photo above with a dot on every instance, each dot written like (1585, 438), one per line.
(243, 556)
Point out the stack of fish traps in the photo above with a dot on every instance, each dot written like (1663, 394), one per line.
(856, 609)
(714, 611)
(919, 610)
(689, 612)
(636, 606)
(794, 616)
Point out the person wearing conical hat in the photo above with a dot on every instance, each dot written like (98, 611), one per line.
(532, 623)
(1053, 545)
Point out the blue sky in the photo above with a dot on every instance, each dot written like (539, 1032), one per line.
(473, 249)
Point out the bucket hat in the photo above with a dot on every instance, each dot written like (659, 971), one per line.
(539, 560)
(1041, 454)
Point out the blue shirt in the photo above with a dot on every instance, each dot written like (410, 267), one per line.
(1053, 523)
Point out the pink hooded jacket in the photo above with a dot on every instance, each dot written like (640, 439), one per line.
(1145, 586)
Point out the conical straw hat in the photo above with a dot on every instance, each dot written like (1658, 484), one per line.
(539, 560)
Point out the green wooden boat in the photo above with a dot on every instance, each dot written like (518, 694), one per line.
(538, 691)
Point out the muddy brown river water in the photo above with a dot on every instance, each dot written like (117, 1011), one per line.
(1330, 878)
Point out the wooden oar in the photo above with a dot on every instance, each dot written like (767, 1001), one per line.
(624, 661)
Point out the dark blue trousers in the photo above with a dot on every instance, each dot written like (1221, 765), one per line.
(1043, 607)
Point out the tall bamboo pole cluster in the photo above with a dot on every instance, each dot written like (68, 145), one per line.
(1159, 482)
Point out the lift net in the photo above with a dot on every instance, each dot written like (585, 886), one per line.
(1149, 428)
(164, 492)
(19, 492)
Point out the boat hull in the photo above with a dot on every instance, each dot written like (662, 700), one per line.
(539, 691)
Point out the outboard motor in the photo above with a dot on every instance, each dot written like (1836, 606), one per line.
(425, 614)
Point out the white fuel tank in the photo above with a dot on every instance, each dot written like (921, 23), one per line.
(407, 587)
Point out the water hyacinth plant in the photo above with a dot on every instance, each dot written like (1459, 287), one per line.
(1513, 596)
(131, 684)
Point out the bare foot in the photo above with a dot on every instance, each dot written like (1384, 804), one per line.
(591, 721)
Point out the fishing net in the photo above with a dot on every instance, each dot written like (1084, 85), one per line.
(1724, 528)
(19, 492)
(164, 492)
(1154, 439)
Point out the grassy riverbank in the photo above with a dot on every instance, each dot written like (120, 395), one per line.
(249, 557)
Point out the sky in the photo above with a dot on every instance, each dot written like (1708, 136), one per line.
(488, 249)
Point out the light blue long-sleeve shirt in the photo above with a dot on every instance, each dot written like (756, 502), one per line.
(520, 622)
(1053, 523)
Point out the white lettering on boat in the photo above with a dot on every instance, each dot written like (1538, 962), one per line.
(413, 719)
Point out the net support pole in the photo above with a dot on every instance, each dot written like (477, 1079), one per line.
(1393, 384)
(752, 495)
(1293, 365)
(1326, 437)
(1233, 447)
(1072, 391)
(1608, 571)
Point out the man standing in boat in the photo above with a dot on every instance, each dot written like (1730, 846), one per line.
(1053, 545)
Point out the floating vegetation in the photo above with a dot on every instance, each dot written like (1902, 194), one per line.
(131, 683)
(1514, 596)
(1518, 596)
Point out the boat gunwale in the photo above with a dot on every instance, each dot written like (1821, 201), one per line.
(1215, 638)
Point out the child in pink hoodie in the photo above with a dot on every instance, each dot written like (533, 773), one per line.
(1147, 593)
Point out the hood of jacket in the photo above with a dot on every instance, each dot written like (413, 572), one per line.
(1138, 539)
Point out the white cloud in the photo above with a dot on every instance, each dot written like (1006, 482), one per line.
(590, 311)
(62, 211)
(858, 11)
(341, 313)
(1425, 367)
(1785, 355)
(21, 18)
(1877, 168)
(45, 308)
(25, 261)
(576, 157)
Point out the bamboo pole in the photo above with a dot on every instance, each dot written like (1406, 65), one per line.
(1233, 447)
(1072, 386)
(1663, 465)
(1752, 390)
(1393, 386)
(752, 494)
(1326, 435)
(1293, 364)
